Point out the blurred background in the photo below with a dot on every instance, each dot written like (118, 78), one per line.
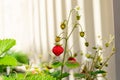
(35, 23)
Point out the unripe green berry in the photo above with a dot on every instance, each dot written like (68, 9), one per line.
(106, 65)
(75, 54)
(82, 34)
(86, 44)
(88, 55)
(78, 17)
(97, 66)
(57, 39)
(107, 44)
(63, 26)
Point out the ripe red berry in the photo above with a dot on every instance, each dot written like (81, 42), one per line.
(57, 50)
(72, 59)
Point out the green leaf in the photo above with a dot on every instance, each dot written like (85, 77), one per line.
(20, 76)
(56, 73)
(8, 60)
(97, 72)
(21, 57)
(41, 76)
(6, 44)
(70, 64)
(65, 74)
(79, 75)
(56, 64)
(100, 72)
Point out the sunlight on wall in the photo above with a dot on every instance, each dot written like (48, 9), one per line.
(97, 24)
(58, 15)
(97, 21)
(43, 29)
(82, 22)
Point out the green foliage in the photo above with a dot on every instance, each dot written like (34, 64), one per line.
(8, 78)
(40, 76)
(21, 57)
(79, 75)
(92, 74)
(56, 64)
(65, 74)
(70, 64)
(6, 44)
(97, 72)
(57, 74)
(14, 77)
(2, 68)
(8, 61)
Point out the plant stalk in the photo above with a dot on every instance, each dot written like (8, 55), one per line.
(66, 42)
(64, 58)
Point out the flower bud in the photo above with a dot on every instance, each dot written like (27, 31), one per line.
(63, 26)
(88, 55)
(106, 65)
(97, 66)
(57, 39)
(86, 44)
(78, 17)
(107, 44)
(82, 34)
(75, 54)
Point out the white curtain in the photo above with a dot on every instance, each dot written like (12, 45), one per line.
(35, 23)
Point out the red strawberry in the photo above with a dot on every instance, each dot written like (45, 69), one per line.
(57, 50)
(71, 59)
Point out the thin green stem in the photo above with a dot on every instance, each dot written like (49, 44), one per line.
(79, 26)
(63, 58)
(94, 61)
(66, 50)
(66, 42)
(81, 30)
(60, 34)
(69, 15)
(71, 32)
(27, 72)
(107, 60)
(15, 74)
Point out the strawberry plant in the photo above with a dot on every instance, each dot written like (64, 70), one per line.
(94, 64)
(91, 68)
